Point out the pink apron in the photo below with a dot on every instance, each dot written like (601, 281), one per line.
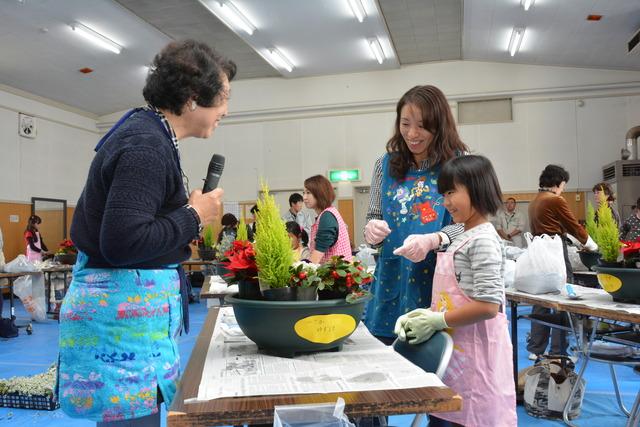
(31, 254)
(342, 245)
(481, 368)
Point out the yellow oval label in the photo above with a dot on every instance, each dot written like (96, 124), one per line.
(325, 328)
(609, 283)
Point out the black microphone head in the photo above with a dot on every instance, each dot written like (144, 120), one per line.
(216, 165)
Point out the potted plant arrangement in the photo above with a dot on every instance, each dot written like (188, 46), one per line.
(588, 258)
(67, 252)
(31, 392)
(222, 248)
(273, 249)
(622, 283)
(207, 244)
(287, 327)
(241, 266)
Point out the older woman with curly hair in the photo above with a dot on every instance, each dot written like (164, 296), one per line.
(132, 226)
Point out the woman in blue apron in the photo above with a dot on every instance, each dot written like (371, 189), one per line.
(405, 202)
(132, 225)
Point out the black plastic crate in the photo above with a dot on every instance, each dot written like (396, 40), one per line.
(14, 400)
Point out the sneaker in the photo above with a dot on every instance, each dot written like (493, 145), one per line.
(533, 356)
(573, 358)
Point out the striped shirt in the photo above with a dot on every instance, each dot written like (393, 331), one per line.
(480, 263)
(449, 233)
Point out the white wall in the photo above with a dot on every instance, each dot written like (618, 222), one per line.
(287, 130)
(52, 165)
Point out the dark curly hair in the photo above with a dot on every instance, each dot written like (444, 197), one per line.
(553, 176)
(183, 70)
(437, 119)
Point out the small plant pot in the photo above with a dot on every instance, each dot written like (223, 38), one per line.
(622, 283)
(249, 289)
(279, 294)
(326, 294)
(69, 259)
(306, 294)
(609, 264)
(589, 259)
(207, 254)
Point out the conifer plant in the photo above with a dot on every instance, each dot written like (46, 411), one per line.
(272, 245)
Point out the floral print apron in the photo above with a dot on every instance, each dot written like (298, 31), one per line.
(117, 342)
(410, 206)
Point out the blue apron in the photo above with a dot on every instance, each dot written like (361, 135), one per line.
(118, 330)
(410, 206)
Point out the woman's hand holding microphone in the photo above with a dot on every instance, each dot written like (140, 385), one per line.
(208, 205)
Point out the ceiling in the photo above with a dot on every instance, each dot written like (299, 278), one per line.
(41, 55)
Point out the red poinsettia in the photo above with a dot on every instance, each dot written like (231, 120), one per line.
(67, 247)
(241, 261)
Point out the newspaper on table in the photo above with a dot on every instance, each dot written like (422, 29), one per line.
(234, 367)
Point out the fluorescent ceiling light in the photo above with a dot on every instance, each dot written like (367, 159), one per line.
(96, 38)
(526, 4)
(358, 9)
(516, 38)
(236, 17)
(280, 60)
(376, 48)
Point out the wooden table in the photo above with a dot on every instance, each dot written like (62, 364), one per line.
(259, 409)
(208, 265)
(586, 307)
(206, 292)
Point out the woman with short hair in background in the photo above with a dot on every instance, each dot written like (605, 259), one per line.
(329, 234)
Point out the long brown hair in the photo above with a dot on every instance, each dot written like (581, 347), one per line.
(437, 119)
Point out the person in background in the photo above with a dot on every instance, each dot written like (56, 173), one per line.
(296, 214)
(549, 214)
(35, 245)
(299, 241)
(602, 188)
(405, 206)
(511, 223)
(630, 230)
(254, 210)
(229, 227)
(469, 301)
(329, 234)
(2, 260)
(127, 303)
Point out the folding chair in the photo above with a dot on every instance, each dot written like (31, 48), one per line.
(432, 356)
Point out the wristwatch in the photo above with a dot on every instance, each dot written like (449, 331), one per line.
(194, 212)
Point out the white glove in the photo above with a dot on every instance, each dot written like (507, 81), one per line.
(399, 327)
(416, 246)
(375, 231)
(591, 246)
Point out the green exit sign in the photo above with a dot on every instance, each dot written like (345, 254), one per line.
(336, 175)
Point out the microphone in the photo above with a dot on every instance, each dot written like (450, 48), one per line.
(216, 165)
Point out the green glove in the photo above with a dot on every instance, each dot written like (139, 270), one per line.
(422, 325)
(399, 329)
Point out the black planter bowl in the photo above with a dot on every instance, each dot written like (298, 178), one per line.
(68, 259)
(622, 283)
(285, 328)
(589, 259)
(206, 254)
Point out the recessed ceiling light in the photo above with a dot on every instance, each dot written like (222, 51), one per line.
(516, 39)
(95, 37)
(358, 9)
(376, 49)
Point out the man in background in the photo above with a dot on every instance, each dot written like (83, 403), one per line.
(295, 213)
(510, 224)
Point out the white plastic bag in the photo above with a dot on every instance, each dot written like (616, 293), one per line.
(509, 273)
(313, 415)
(30, 290)
(541, 269)
(574, 259)
(20, 265)
(365, 255)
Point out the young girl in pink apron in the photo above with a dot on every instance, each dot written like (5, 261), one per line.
(468, 300)
(35, 245)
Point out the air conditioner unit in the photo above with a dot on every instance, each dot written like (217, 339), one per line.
(624, 178)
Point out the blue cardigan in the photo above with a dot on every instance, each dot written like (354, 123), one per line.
(131, 212)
